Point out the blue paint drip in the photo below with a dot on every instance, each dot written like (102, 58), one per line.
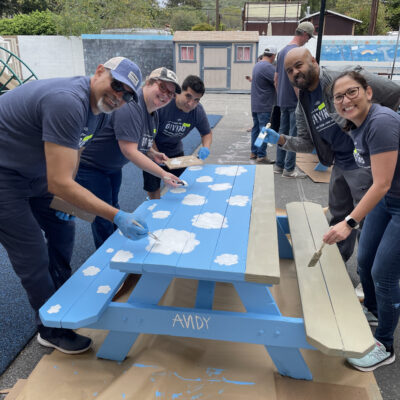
(176, 395)
(158, 394)
(55, 367)
(221, 391)
(187, 379)
(197, 396)
(214, 380)
(95, 394)
(213, 371)
(123, 396)
(144, 366)
(238, 382)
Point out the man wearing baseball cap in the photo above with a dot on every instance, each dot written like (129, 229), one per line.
(263, 98)
(287, 101)
(43, 125)
(127, 137)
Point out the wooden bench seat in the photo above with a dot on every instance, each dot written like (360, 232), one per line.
(334, 321)
(83, 298)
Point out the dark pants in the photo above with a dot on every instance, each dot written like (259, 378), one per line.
(38, 243)
(346, 189)
(105, 185)
(287, 159)
(379, 266)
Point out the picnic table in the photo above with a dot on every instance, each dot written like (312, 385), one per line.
(221, 227)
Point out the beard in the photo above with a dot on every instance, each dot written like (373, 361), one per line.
(304, 81)
(104, 107)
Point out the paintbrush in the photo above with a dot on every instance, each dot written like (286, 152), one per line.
(259, 141)
(152, 235)
(317, 255)
(179, 182)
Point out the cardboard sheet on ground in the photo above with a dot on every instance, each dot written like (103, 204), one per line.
(165, 367)
(307, 163)
(183, 162)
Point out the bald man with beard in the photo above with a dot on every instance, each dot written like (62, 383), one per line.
(319, 127)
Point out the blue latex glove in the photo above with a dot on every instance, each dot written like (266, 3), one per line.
(64, 216)
(203, 153)
(272, 136)
(124, 222)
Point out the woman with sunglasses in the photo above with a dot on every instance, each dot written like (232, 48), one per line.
(376, 134)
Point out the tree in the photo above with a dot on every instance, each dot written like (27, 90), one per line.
(393, 14)
(35, 23)
(189, 3)
(361, 9)
(203, 26)
(183, 20)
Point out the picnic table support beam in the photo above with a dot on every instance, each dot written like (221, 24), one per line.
(205, 295)
(285, 248)
(149, 290)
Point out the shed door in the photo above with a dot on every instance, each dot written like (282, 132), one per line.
(215, 66)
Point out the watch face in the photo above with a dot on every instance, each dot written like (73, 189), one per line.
(351, 222)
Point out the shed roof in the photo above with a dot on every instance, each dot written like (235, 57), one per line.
(215, 36)
(306, 18)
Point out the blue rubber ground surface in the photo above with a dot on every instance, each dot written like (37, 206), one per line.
(17, 324)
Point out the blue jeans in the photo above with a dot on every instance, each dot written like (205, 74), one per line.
(259, 121)
(105, 185)
(379, 266)
(287, 159)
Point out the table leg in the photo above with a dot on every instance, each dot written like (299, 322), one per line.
(257, 298)
(149, 290)
(205, 295)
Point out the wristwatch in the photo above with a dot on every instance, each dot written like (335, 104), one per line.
(352, 223)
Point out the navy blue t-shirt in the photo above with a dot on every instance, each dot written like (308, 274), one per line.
(285, 93)
(49, 110)
(341, 143)
(379, 133)
(175, 124)
(263, 95)
(131, 123)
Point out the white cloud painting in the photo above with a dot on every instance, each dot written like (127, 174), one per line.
(122, 256)
(210, 221)
(238, 200)
(172, 241)
(227, 259)
(194, 200)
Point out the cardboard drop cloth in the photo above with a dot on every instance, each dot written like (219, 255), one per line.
(307, 163)
(166, 367)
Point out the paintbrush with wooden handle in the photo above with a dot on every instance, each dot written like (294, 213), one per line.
(317, 255)
(152, 235)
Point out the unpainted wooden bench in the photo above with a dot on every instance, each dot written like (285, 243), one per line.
(334, 320)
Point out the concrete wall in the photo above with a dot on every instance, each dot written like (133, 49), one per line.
(52, 56)
(147, 51)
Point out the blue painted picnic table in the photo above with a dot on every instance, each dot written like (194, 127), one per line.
(220, 227)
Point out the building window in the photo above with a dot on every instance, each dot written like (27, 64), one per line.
(187, 53)
(243, 53)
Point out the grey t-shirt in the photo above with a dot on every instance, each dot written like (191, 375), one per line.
(131, 123)
(263, 95)
(379, 133)
(286, 97)
(49, 110)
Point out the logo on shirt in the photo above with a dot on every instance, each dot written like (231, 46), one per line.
(84, 138)
(360, 160)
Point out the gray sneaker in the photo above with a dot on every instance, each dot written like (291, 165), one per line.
(372, 320)
(294, 174)
(278, 169)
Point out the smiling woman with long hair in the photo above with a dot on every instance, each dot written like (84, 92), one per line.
(376, 134)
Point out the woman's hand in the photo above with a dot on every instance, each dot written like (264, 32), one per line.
(337, 233)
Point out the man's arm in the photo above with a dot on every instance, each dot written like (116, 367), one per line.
(206, 140)
(61, 163)
(276, 81)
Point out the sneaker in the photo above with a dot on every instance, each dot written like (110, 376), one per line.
(64, 340)
(253, 156)
(377, 357)
(359, 292)
(278, 169)
(264, 160)
(372, 320)
(294, 174)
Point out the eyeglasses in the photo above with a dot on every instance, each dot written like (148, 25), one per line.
(118, 86)
(350, 93)
(163, 89)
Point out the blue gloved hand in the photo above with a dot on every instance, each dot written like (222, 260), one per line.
(272, 136)
(124, 222)
(64, 216)
(203, 153)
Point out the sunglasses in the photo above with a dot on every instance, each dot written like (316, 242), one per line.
(163, 89)
(118, 86)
